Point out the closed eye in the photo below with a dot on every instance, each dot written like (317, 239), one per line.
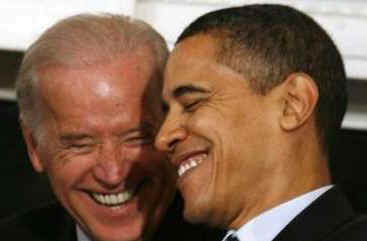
(140, 140)
(191, 106)
(77, 142)
(78, 145)
(141, 136)
(190, 96)
(81, 148)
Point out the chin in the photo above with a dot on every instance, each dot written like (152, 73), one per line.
(195, 213)
(202, 212)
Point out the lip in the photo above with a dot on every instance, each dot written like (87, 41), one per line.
(135, 187)
(114, 199)
(177, 160)
(109, 212)
(131, 184)
(114, 211)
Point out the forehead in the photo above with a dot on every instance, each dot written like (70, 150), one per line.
(200, 44)
(189, 58)
(198, 49)
(124, 83)
(120, 71)
(194, 60)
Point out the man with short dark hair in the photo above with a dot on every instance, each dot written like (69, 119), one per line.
(254, 97)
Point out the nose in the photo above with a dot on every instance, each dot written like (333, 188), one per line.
(171, 132)
(112, 166)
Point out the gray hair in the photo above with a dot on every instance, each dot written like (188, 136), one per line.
(82, 40)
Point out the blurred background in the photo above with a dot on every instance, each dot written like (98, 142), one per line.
(22, 21)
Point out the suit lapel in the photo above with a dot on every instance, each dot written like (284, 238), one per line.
(174, 228)
(69, 232)
(65, 229)
(323, 217)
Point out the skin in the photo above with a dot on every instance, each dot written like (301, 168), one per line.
(247, 156)
(97, 130)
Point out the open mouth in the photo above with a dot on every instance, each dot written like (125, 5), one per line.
(190, 164)
(117, 199)
(113, 199)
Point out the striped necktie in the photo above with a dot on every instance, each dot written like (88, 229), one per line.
(232, 237)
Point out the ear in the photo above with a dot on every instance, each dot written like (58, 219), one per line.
(300, 97)
(32, 147)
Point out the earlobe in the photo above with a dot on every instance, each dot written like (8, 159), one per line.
(31, 144)
(300, 98)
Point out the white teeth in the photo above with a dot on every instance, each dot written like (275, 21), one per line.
(191, 163)
(113, 199)
(120, 198)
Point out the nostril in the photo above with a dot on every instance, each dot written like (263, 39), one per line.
(171, 145)
(165, 143)
(168, 137)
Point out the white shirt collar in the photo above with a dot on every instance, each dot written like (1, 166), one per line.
(80, 234)
(268, 225)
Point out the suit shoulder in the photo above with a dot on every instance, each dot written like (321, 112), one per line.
(39, 224)
(174, 227)
(353, 230)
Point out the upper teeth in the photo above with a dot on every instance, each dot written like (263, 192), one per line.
(189, 164)
(113, 199)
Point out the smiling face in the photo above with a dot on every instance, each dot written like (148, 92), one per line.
(219, 134)
(96, 145)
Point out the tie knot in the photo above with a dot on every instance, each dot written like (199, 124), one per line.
(232, 237)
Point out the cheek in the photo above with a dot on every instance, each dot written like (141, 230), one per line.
(217, 117)
(203, 122)
(67, 170)
(227, 133)
(63, 176)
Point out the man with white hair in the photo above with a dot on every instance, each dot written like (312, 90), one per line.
(87, 91)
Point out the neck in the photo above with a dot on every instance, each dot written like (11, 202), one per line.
(299, 169)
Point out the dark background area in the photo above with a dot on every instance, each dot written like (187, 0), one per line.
(22, 188)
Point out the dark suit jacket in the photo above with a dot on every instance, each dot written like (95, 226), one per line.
(328, 218)
(52, 223)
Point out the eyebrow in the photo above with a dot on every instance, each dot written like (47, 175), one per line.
(187, 89)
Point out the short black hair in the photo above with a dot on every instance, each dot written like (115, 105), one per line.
(268, 42)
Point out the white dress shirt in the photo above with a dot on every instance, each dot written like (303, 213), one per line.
(268, 224)
(81, 236)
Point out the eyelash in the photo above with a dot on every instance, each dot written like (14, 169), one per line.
(79, 145)
(147, 139)
(80, 148)
(191, 106)
(144, 138)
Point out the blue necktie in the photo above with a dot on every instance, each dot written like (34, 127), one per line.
(232, 237)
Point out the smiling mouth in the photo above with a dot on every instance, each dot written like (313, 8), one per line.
(117, 199)
(190, 164)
